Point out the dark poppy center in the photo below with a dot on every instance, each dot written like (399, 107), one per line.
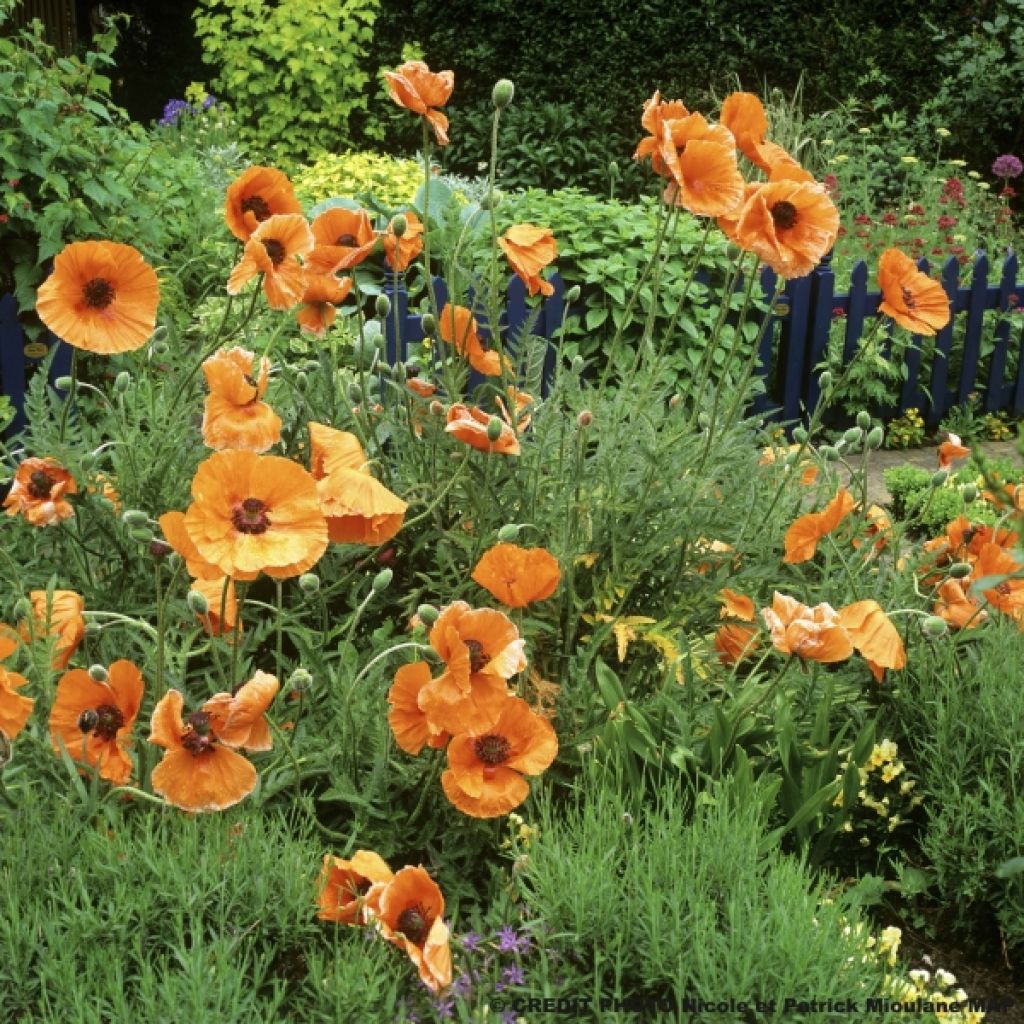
(275, 250)
(492, 750)
(109, 718)
(39, 484)
(1003, 589)
(783, 214)
(197, 739)
(477, 658)
(414, 924)
(257, 206)
(347, 240)
(98, 293)
(250, 516)
(908, 298)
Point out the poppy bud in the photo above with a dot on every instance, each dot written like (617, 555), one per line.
(491, 200)
(135, 517)
(383, 305)
(493, 429)
(122, 382)
(934, 626)
(301, 382)
(355, 393)
(577, 364)
(161, 348)
(939, 477)
(800, 435)
(63, 383)
(300, 680)
(398, 373)
(197, 602)
(428, 614)
(573, 294)
(585, 418)
(863, 420)
(960, 570)
(22, 608)
(830, 454)
(399, 225)
(173, 560)
(436, 408)
(141, 534)
(969, 492)
(853, 435)
(382, 580)
(613, 170)
(159, 549)
(92, 628)
(309, 583)
(791, 458)
(825, 381)
(509, 532)
(502, 93)
(98, 674)
(876, 435)
(87, 461)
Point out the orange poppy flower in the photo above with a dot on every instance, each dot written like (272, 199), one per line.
(94, 720)
(951, 450)
(958, 609)
(519, 401)
(873, 634)
(518, 576)
(342, 239)
(273, 251)
(237, 720)
(529, 249)
(215, 594)
(706, 180)
(1008, 594)
(234, 415)
(14, 708)
(101, 297)
(408, 912)
(38, 492)
(815, 634)
(332, 449)
(257, 195)
(728, 222)
(256, 513)
(804, 534)
(485, 769)
(482, 650)
(414, 86)
(790, 225)
(197, 772)
(656, 113)
(323, 294)
(60, 615)
(910, 296)
(344, 883)
(411, 728)
(780, 165)
(176, 534)
(104, 487)
(400, 252)
(423, 388)
(963, 541)
(743, 114)
(470, 426)
(458, 328)
(733, 641)
(9, 641)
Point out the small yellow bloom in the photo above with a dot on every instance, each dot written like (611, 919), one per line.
(828, 142)
(863, 131)
(985, 185)
(839, 158)
(909, 159)
(957, 163)
(943, 133)
(973, 174)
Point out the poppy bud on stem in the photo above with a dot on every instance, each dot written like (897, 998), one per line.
(428, 614)
(960, 570)
(875, 438)
(382, 580)
(399, 225)
(429, 324)
(98, 674)
(493, 429)
(969, 492)
(573, 294)
(197, 602)
(509, 532)
(934, 626)
(383, 306)
(585, 418)
(501, 95)
(309, 583)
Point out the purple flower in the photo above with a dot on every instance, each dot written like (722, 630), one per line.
(514, 975)
(461, 986)
(173, 110)
(471, 942)
(1007, 166)
(508, 1017)
(210, 101)
(444, 1008)
(510, 941)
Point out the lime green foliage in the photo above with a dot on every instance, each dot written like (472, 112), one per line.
(931, 511)
(906, 431)
(293, 71)
(902, 482)
(962, 716)
(366, 176)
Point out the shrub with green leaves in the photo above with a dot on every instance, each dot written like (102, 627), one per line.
(375, 179)
(293, 70)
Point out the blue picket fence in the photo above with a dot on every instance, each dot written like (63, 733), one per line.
(793, 343)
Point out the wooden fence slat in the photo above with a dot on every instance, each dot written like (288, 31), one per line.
(997, 391)
(820, 325)
(856, 309)
(794, 347)
(941, 397)
(975, 318)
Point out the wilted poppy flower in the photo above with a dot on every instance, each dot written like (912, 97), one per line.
(958, 609)
(879, 528)
(815, 634)
(804, 534)
(323, 294)
(790, 225)
(408, 912)
(237, 719)
(344, 883)
(60, 615)
(94, 720)
(518, 576)
(39, 492)
(273, 251)
(950, 450)
(873, 635)
(411, 728)
(14, 708)
(470, 425)
(485, 769)
(342, 239)
(458, 328)
(414, 86)
(104, 487)
(400, 252)
(743, 114)
(482, 650)
(197, 772)
(256, 513)
(234, 415)
(529, 250)
(101, 297)
(423, 388)
(910, 296)
(257, 195)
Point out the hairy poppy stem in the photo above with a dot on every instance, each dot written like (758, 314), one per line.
(426, 218)
(72, 388)
(279, 609)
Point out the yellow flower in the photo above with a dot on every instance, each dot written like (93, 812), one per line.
(957, 163)
(828, 142)
(985, 185)
(973, 174)
(909, 159)
(839, 158)
(943, 133)
(863, 131)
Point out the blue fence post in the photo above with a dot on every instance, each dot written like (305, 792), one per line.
(12, 359)
(764, 404)
(976, 297)
(823, 289)
(794, 346)
(997, 391)
(551, 318)
(395, 338)
(942, 399)
(910, 394)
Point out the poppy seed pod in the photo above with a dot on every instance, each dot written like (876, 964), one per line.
(960, 570)
(493, 429)
(853, 435)
(830, 454)
(98, 674)
(63, 383)
(585, 418)
(122, 382)
(309, 583)
(939, 477)
(863, 420)
(383, 306)
(429, 324)
(141, 534)
(934, 627)
(197, 602)
(876, 435)
(135, 517)
(491, 200)
(399, 225)
(428, 614)
(502, 93)
(382, 580)
(969, 492)
(573, 294)
(800, 435)
(509, 532)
